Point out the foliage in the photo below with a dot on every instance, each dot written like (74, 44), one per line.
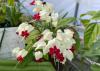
(10, 14)
(91, 37)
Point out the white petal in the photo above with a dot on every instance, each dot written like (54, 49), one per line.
(39, 45)
(69, 33)
(47, 35)
(54, 23)
(22, 53)
(38, 2)
(68, 54)
(60, 35)
(16, 50)
(49, 45)
(38, 55)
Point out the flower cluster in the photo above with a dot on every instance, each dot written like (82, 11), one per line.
(44, 11)
(46, 38)
(59, 46)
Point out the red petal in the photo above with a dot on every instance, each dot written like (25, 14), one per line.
(51, 51)
(20, 59)
(36, 17)
(32, 3)
(25, 34)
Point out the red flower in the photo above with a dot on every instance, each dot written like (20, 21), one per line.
(32, 3)
(72, 49)
(60, 57)
(25, 34)
(54, 50)
(20, 58)
(51, 51)
(36, 17)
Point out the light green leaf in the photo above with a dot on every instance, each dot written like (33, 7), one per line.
(85, 22)
(65, 21)
(11, 2)
(91, 13)
(91, 34)
(96, 16)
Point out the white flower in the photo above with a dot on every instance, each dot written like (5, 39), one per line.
(69, 33)
(24, 27)
(68, 54)
(69, 43)
(43, 13)
(29, 28)
(50, 44)
(60, 35)
(21, 27)
(37, 9)
(54, 17)
(39, 45)
(38, 2)
(16, 50)
(47, 34)
(38, 55)
(48, 7)
(22, 53)
(45, 16)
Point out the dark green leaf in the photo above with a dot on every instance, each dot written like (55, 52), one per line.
(95, 67)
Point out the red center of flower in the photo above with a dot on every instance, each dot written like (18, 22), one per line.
(25, 34)
(60, 57)
(72, 49)
(56, 52)
(36, 17)
(32, 3)
(20, 58)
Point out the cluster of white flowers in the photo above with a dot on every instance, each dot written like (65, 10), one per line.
(63, 41)
(44, 11)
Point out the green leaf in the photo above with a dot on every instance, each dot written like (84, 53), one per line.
(94, 50)
(65, 21)
(85, 22)
(96, 16)
(91, 34)
(46, 57)
(11, 2)
(65, 15)
(95, 67)
(91, 13)
(32, 37)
